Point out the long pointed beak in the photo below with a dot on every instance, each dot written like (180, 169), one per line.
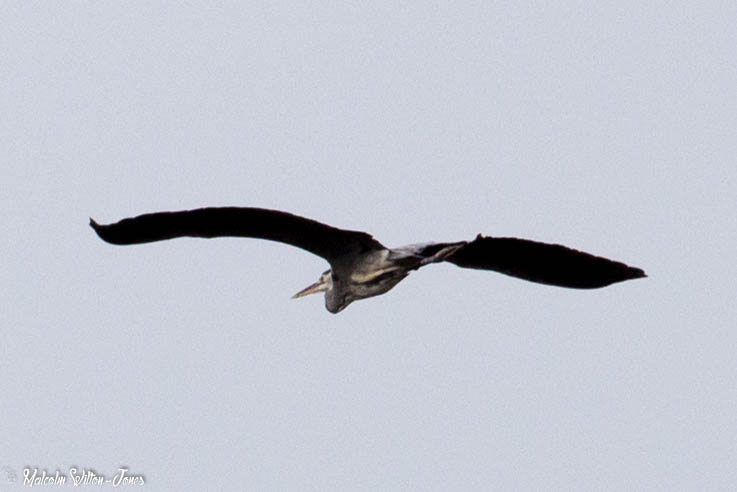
(312, 289)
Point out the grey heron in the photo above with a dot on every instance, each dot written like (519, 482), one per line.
(362, 267)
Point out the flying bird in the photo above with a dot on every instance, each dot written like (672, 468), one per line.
(362, 267)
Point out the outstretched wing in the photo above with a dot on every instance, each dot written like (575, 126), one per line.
(315, 237)
(551, 264)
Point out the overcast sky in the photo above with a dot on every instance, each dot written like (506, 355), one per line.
(609, 129)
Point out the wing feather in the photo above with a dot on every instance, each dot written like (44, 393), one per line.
(315, 237)
(544, 263)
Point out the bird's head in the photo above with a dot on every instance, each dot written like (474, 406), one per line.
(336, 298)
(324, 284)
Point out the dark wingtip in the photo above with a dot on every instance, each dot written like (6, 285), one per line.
(631, 273)
(95, 226)
(98, 229)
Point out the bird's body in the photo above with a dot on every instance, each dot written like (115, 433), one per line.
(362, 267)
(374, 273)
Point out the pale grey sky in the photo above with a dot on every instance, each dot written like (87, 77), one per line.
(612, 129)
